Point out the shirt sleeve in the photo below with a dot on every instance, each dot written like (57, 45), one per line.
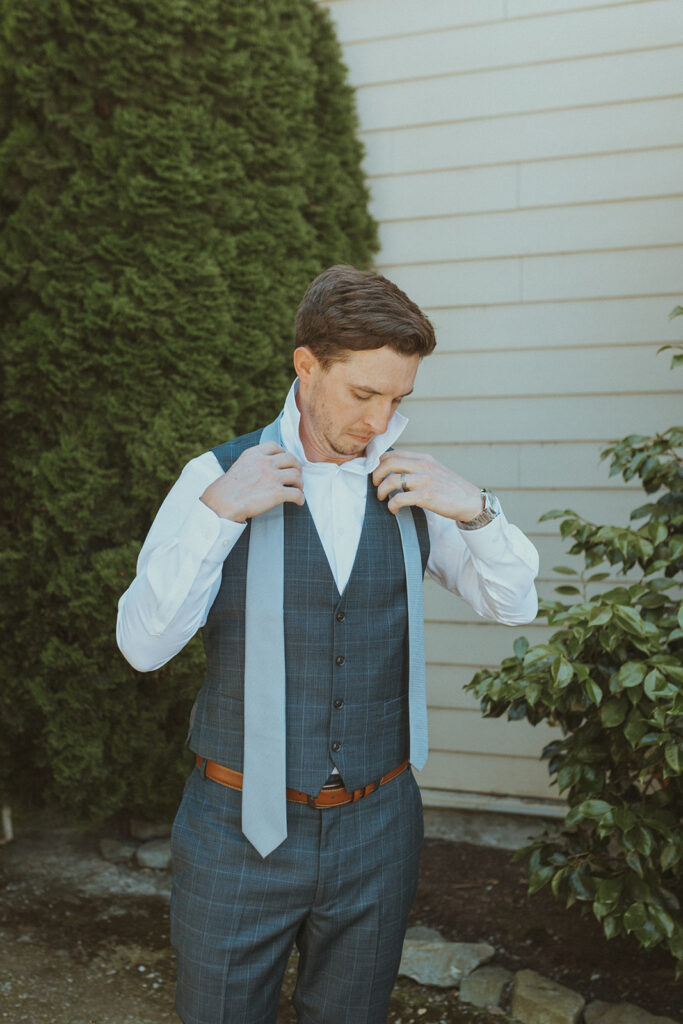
(178, 571)
(492, 568)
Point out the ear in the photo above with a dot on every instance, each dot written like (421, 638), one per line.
(306, 364)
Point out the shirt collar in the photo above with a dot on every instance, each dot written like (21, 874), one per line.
(364, 464)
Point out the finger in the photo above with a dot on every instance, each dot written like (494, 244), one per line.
(269, 448)
(401, 453)
(396, 462)
(401, 499)
(390, 483)
(385, 469)
(290, 476)
(294, 494)
(283, 460)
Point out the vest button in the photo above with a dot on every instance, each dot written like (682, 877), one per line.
(340, 659)
(336, 746)
(339, 703)
(340, 616)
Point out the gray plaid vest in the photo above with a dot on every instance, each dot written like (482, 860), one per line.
(346, 655)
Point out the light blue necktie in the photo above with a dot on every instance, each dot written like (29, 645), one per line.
(264, 802)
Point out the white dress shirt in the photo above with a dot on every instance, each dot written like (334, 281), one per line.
(181, 562)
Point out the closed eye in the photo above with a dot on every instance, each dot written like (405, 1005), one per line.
(366, 398)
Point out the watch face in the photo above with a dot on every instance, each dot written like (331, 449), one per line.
(491, 503)
(489, 512)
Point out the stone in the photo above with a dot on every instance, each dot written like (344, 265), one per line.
(595, 1010)
(598, 1012)
(117, 851)
(155, 854)
(484, 987)
(419, 933)
(539, 1000)
(444, 964)
(142, 829)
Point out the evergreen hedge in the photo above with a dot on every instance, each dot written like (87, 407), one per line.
(172, 176)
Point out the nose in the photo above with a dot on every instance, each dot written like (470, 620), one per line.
(377, 417)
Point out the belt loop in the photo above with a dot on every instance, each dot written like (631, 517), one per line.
(201, 764)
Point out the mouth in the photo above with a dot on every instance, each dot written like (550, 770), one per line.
(361, 440)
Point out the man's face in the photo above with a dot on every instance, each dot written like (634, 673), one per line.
(344, 406)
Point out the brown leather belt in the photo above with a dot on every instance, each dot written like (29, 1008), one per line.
(325, 798)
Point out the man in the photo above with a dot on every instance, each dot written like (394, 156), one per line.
(314, 651)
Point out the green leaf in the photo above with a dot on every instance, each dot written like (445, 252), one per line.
(535, 654)
(631, 673)
(600, 615)
(624, 819)
(635, 917)
(641, 840)
(630, 620)
(562, 672)
(638, 889)
(520, 646)
(602, 909)
(565, 589)
(676, 942)
(580, 885)
(593, 690)
(540, 878)
(609, 890)
(611, 926)
(517, 710)
(568, 775)
(614, 711)
(655, 685)
(657, 532)
(664, 920)
(636, 726)
(564, 570)
(557, 881)
(672, 753)
(648, 935)
(670, 855)
(633, 861)
(594, 808)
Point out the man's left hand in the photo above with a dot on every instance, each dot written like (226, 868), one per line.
(420, 480)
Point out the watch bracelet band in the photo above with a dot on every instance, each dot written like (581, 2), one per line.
(490, 510)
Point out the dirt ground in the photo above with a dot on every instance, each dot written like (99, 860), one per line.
(86, 942)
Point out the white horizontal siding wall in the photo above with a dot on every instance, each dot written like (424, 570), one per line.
(525, 159)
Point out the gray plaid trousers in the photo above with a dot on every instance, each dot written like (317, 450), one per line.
(339, 888)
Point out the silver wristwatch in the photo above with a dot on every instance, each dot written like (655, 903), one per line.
(490, 509)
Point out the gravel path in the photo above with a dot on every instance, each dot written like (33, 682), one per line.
(83, 941)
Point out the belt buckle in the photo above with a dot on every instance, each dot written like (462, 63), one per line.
(311, 801)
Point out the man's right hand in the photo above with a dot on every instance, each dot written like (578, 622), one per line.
(261, 478)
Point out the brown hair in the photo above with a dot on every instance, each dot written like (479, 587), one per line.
(345, 309)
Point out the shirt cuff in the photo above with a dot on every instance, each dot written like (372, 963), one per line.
(488, 542)
(207, 535)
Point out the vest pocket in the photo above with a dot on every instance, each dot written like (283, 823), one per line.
(395, 706)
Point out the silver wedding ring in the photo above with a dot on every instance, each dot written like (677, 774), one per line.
(403, 482)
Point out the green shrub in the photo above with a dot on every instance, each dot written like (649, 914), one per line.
(172, 176)
(611, 677)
